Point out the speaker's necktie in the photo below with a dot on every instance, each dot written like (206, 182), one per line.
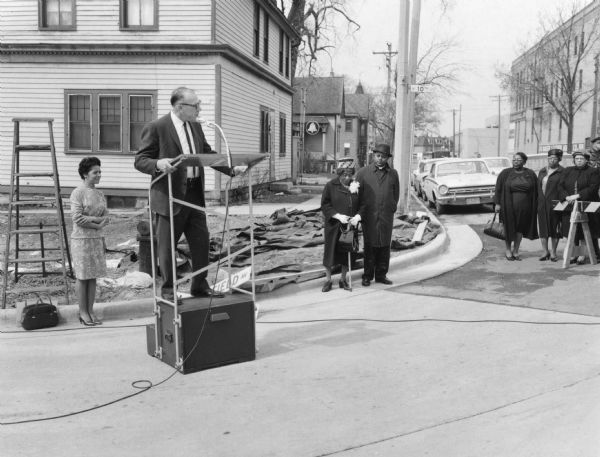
(191, 148)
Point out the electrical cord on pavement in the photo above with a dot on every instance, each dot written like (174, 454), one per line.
(143, 385)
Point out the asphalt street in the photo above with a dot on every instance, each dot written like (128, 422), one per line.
(466, 355)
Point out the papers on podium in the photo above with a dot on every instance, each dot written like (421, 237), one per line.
(218, 162)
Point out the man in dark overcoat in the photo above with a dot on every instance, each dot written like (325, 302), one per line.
(163, 140)
(379, 194)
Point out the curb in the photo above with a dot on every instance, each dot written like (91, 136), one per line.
(144, 307)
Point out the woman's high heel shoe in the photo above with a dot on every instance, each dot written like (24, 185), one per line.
(84, 322)
(344, 285)
(95, 320)
(326, 286)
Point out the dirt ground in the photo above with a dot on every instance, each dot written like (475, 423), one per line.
(122, 250)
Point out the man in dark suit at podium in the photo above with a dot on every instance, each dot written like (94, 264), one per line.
(163, 140)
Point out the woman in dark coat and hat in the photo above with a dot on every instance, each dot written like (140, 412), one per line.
(548, 219)
(339, 203)
(516, 200)
(579, 182)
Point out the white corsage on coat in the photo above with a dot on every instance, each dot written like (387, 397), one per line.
(354, 185)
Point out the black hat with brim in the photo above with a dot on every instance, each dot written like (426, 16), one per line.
(383, 149)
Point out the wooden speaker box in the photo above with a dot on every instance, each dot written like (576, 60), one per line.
(208, 337)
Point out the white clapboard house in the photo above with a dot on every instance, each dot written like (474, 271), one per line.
(103, 68)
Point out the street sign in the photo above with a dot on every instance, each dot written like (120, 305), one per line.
(235, 280)
(312, 128)
(421, 88)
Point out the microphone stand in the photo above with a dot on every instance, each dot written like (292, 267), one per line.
(250, 215)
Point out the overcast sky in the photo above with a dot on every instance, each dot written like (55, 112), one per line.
(488, 32)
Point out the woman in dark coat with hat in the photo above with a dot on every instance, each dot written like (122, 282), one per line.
(548, 219)
(516, 200)
(380, 191)
(579, 182)
(339, 203)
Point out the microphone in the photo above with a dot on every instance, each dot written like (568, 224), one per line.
(201, 120)
(204, 121)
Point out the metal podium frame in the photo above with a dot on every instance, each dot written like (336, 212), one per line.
(175, 303)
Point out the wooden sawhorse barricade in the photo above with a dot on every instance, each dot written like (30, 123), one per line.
(579, 216)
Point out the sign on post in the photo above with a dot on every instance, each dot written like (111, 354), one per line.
(235, 280)
(312, 127)
(421, 88)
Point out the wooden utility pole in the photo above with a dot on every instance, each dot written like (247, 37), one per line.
(406, 66)
(454, 132)
(499, 98)
(594, 130)
(388, 63)
(403, 130)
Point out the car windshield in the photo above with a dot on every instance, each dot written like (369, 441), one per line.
(461, 168)
(499, 162)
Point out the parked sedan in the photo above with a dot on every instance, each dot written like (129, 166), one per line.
(420, 173)
(497, 164)
(459, 182)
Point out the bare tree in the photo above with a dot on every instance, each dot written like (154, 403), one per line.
(314, 22)
(551, 72)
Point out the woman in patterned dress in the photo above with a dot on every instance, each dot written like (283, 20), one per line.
(89, 214)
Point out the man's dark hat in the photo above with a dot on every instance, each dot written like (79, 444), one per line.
(581, 153)
(555, 152)
(593, 140)
(383, 148)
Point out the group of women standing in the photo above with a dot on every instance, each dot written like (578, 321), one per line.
(526, 202)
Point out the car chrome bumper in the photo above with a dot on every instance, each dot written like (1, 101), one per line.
(460, 200)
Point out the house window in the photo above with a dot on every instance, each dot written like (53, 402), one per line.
(102, 122)
(266, 38)
(256, 29)
(265, 130)
(57, 14)
(287, 56)
(139, 14)
(348, 123)
(109, 123)
(549, 126)
(559, 128)
(79, 115)
(346, 149)
(281, 44)
(282, 134)
(140, 113)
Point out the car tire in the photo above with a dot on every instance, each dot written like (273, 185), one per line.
(439, 208)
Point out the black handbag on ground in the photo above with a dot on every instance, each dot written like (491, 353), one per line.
(348, 240)
(39, 315)
(495, 229)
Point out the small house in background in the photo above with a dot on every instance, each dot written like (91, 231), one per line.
(328, 123)
(355, 134)
(104, 68)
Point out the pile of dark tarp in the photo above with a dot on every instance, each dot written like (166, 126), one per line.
(290, 244)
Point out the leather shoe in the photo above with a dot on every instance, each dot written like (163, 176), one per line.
(326, 286)
(207, 293)
(385, 281)
(366, 282)
(344, 285)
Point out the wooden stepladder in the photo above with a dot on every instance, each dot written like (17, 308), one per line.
(41, 242)
(578, 217)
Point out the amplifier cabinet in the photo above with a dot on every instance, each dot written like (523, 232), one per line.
(208, 337)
